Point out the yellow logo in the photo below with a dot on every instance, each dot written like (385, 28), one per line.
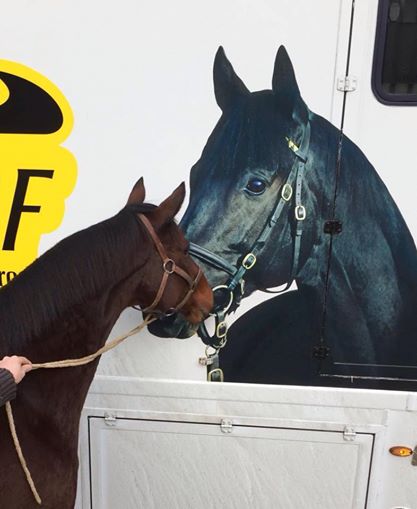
(36, 173)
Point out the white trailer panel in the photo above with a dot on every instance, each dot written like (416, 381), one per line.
(160, 444)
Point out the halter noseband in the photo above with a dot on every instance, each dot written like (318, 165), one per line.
(169, 267)
(292, 187)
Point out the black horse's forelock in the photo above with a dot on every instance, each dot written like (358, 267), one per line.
(247, 138)
(71, 273)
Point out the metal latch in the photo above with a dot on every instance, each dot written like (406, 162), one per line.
(110, 419)
(347, 83)
(206, 361)
(349, 434)
(226, 425)
(333, 227)
(414, 457)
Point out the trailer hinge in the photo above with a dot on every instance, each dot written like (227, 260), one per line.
(110, 419)
(349, 434)
(226, 425)
(347, 83)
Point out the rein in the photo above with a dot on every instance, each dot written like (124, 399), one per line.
(232, 292)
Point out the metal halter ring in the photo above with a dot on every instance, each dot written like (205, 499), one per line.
(169, 312)
(227, 306)
(169, 266)
(207, 351)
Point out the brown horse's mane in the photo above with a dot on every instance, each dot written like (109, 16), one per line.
(75, 270)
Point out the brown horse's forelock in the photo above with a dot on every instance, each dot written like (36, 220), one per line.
(74, 271)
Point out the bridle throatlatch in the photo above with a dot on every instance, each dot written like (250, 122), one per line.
(169, 267)
(227, 297)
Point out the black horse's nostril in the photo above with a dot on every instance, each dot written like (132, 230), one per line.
(222, 297)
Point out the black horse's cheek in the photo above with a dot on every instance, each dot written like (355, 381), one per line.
(172, 327)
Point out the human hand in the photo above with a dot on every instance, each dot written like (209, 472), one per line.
(18, 366)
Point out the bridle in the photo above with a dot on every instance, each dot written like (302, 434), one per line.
(231, 293)
(169, 267)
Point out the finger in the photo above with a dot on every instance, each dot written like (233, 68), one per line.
(24, 361)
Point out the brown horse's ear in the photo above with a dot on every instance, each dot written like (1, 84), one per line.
(169, 208)
(137, 194)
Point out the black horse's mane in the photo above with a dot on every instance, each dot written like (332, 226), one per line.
(77, 269)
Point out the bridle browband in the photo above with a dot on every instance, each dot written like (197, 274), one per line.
(169, 267)
(234, 287)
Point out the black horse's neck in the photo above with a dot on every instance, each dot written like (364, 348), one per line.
(373, 262)
(70, 288)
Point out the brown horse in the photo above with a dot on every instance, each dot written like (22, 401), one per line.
(64, 305)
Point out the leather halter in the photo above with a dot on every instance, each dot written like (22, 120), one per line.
(169, 267)
(237, 272)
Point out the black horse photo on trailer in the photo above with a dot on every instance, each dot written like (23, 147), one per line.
(280, 195)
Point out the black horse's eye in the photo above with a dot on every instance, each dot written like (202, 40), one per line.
(255, 186)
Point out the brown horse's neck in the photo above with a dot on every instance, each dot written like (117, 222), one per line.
(69, 313)
(64, 306)
(65, 302)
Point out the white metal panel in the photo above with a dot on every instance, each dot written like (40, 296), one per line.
(390, 417)
(178, 465)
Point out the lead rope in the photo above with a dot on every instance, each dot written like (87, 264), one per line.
(66, 363)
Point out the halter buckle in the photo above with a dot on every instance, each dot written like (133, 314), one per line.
(169, 266)
(215, 375)
(291, 145)
(300, 212)
(286, 192)
(249, 261)
(221, 330)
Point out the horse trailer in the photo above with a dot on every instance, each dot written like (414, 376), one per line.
(300, 392)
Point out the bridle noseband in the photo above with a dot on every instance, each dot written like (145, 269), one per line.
(291, 189)
(169, 267)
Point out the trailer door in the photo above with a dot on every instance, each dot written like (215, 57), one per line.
(162, 464)
(380, 115)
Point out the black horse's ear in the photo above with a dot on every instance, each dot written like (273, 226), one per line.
(285, 87)
(137, 194)
(169, 208)
(227, 85)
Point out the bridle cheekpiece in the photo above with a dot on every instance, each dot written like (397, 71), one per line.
(233, 290)
(169, 268)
